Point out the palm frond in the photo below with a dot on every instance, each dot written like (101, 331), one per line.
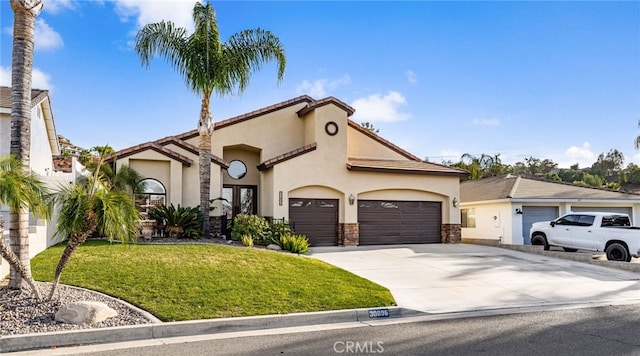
(163, 39)
(21, 188)
(245, 52)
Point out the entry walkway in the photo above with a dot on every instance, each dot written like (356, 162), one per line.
(439, 278)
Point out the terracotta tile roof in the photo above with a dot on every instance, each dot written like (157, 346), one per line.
(62, 163)
(408, 167)
(286, 156)
(326, 101)
(154, 147)
(37, 95)
(173, 140)
(516, 187)
(381, 140)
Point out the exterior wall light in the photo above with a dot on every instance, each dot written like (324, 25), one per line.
(352, 199)
(455, 202)
(518, 211)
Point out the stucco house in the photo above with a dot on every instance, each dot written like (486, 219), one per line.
(305, 161)
(44, 144)
(502, 209)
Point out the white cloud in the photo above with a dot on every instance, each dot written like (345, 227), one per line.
(56, 6)
(582, 155)
(40, 80)
(46, 37)
(381, 108)
(486, 122)
(411, 76)
(320, 88)
(149, 11)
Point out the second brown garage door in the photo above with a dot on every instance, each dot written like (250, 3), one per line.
(315, 218)
(384, 222)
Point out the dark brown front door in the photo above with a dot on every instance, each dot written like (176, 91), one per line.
(385, 222)
(240, 199)
(315, 218)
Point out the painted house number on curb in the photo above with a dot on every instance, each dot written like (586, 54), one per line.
(378, 313)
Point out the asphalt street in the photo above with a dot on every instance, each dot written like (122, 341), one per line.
(609, 330)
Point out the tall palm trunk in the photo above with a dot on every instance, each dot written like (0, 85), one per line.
(205, 130)
(75, 240)
(25, 12)
(14, 261)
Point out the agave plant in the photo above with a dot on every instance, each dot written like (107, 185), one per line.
(178, 222)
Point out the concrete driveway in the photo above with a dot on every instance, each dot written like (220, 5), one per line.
(443, 278)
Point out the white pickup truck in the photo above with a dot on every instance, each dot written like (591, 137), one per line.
(608, 232)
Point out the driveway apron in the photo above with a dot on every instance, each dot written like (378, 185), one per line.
(440, 278)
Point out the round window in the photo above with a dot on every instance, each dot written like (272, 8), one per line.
(237, 169)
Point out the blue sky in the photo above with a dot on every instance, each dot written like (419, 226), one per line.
(557, 80)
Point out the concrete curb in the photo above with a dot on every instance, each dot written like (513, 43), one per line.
(37, 341)
(585, 257)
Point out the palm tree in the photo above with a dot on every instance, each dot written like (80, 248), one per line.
(24, 19)
(90, 205)
(21, 190)
(208, 65)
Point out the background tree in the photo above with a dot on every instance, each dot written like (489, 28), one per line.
(481, 166)
(20, 189)
(24, 19)
(208, 65)
(608, 164)
(369, 126)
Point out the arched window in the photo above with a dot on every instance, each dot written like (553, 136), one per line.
(152, 192)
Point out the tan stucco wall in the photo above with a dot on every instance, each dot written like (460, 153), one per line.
(250, 157)
(320, 173)
(274, 133)
(362, 146)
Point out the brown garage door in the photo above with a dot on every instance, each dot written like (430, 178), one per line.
(399, 222)
(315, 218)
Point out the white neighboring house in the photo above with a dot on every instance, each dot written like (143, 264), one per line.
(44, 145)
(502, 209)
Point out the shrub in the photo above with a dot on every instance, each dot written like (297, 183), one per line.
(293, 243)
(278, 229)
(246, 224)
(247, 240)
(180, 221)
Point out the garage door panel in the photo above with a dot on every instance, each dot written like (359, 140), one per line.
(397, 222)
(315, 218)
(533, 214)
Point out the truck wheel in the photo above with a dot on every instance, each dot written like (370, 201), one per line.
(540, 240)
(567, 249)
(618, 252)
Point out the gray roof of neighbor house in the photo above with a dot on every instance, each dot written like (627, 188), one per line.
(36, 96)
(517, 187)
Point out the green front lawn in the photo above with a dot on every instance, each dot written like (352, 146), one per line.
(187, 282)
